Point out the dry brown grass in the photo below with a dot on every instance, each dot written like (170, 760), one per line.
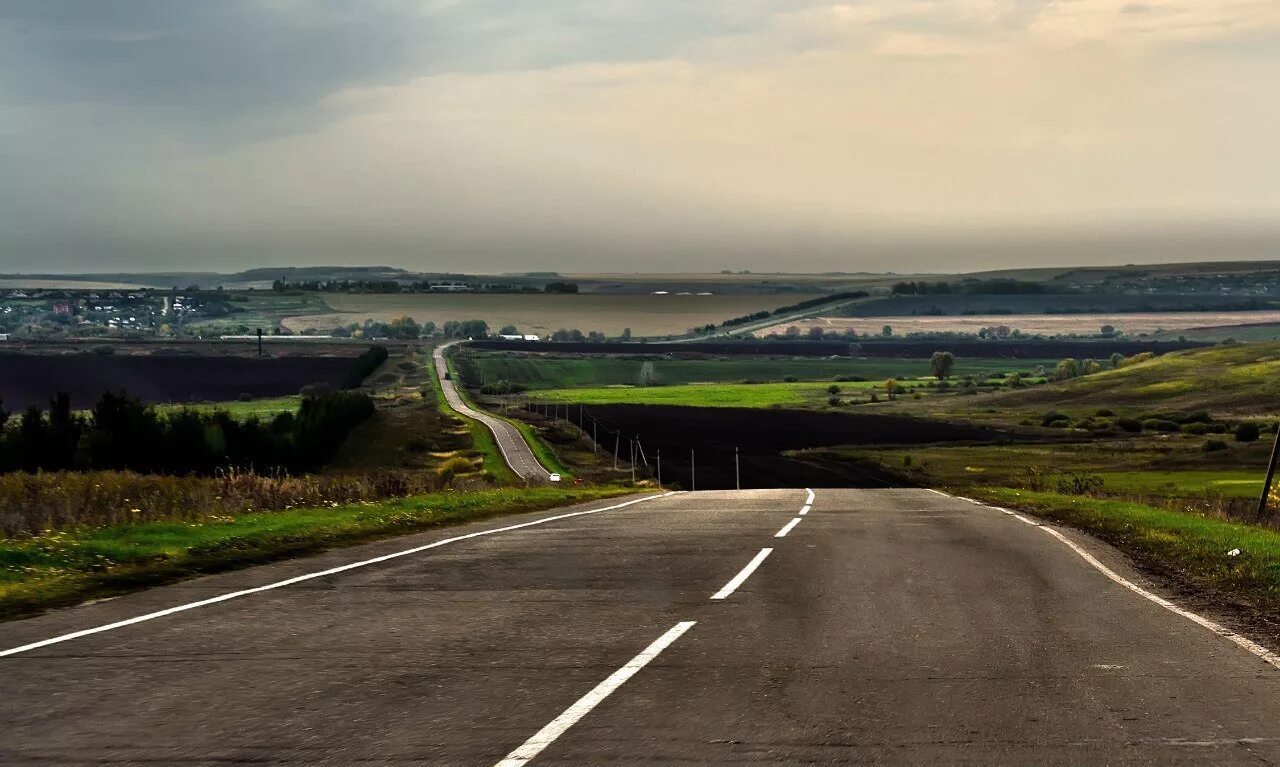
(1042, 324)
(31, 504)
(646, 315)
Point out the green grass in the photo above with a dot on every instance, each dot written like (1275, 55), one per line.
(64, 568)
(1241, 379)
(540, 372)
(482, 440)
(800, 394)
(262, 408)
(1188, 545)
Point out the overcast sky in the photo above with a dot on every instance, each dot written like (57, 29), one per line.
(636, 135)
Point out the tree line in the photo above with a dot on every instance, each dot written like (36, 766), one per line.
(120, 432)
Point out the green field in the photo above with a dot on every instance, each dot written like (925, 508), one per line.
(716, 395)
(544, 372)
(1240, 379)
(241, 409)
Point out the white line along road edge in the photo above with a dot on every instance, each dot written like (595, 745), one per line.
(742, 575)
(309, 576)
(1217, 628)
(557, 727)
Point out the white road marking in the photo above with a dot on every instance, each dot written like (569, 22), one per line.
(307, 577)
(938, 492)
(787, 528)
(810, 498)
(805, 509)
(745, 573)
(1217, 628)
(557, 727)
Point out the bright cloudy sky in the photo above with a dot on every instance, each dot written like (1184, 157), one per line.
(637, 135)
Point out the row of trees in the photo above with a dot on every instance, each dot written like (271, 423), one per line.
(122, 433)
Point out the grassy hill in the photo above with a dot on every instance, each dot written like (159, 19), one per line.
(1242, 379)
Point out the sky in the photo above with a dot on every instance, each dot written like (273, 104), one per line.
(636, 135)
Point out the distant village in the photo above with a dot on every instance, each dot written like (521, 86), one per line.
(87, 313)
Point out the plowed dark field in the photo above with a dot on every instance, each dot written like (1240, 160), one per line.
(34, 378)
(761, 437)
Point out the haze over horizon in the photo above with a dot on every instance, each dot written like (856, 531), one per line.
(636, 135)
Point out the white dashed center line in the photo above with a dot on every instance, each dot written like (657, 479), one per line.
(805, 510)
(557, 727)
(746, 572)
(787, 528)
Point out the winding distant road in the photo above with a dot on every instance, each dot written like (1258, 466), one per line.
(515, 451)
(762, 627)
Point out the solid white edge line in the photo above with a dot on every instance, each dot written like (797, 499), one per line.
(742, 575)
(307, 577)
(557, 727)
(938, 492)
(809, 500)
(805, 509)
(1244, 643)
(787, 528)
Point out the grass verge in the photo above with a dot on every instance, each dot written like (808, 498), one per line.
(69, 567)
(482, 440)
(1183, 545)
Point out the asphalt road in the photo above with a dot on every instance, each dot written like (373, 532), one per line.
(885, 626)
(515, 451)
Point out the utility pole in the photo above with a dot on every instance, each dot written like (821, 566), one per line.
(659, 457)
(1271, 473)
(259, 342)
(737, 476)
(616, 436)
(633, 461)
(693, 472)
(595, 436)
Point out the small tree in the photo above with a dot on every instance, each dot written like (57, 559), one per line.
(886, 331)
(1067, 368)
(1108, 330)
(892, 388)
(941, 363)
(509, 330)
(815, 334)
(833, 389)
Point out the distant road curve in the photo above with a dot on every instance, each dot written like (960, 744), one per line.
(515, 451)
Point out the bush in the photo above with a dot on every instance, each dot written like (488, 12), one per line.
(789, 379)
(453, 467)
(1079, 483)
(1052, 416)
(1214, 445)
(1247, 432)
(1195, 428)
(833, 401)
(365, 364)
(1159, 424)
(1059, 423)
(1131, 425)
(1104, 412)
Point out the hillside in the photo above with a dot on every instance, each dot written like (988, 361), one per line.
(1241, 379)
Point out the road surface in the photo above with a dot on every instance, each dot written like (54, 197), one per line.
(515, 451)
(884, 626)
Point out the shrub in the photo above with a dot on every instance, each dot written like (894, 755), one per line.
(1131, 425)
(1159, 424)
(1214, 445)
(1052, 416)
(1079, 483)
(833, 401)
(453, 467)
(1195, 428)
(789, 379)
(1247, 432)
(1059, 423)
(1106, 413)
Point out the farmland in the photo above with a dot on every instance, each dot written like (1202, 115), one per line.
(34, 378)
(1131, 324)
(540, 371)
(645, 315)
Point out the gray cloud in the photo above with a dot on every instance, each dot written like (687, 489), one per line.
(469, 133)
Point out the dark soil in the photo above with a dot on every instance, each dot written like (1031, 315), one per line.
(27, 379)
(761, 436)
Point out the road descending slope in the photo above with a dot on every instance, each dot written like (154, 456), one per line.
(755, 627)
(515, 451)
